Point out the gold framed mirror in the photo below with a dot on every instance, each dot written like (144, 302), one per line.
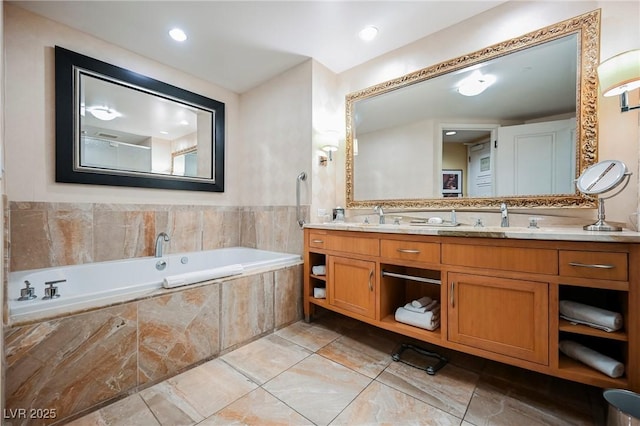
(536, 125)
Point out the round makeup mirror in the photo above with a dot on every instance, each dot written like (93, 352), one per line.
(601, 178)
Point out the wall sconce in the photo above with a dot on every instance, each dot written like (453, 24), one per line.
(618, 75)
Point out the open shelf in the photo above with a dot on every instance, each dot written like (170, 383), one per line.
(573, 369)
(567, 326)
(389, 323)
(319, 302)
(319, 277)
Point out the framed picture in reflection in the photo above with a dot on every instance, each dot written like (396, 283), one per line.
(452, 183)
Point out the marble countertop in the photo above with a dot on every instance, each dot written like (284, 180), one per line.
(559, 233)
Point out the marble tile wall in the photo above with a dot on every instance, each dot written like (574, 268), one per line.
(75, 363)
(55, 234)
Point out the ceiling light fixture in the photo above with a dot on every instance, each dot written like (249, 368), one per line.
(368, 33)
(177, 34)
(475, 84)
(103, 113)
(450, 133)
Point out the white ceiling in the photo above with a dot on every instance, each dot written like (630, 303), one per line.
(240, 44)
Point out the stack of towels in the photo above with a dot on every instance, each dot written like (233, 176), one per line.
(590, 315)
(423, 313)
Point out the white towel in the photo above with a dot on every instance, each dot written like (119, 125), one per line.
(319, 270)
(610, 321)
(430, 306)
(590, 324)
(428, 320)
(204, 275)
(423, 301)
(593, 359)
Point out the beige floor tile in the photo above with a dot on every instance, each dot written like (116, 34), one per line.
(197, 393)
(379, 404)
(496, 402)
(310, 336)
(317, 388)
(257, 408)
(450, 389)
(366, 356)
(265, 358)
(131, 411)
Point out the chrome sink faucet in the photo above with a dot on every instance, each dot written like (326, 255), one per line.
(504, 213)
(378, 209)
(162, 237)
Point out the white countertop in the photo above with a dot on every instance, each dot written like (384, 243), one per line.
(568, 233)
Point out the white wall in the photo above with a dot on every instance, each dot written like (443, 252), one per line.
(276, 132)
(619, 134)
(30, 124)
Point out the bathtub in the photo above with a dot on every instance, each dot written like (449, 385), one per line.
(93, 285)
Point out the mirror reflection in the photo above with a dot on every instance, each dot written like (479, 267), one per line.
(136, 131)
(506, 121)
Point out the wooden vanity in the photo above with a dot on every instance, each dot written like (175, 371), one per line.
(499, 293)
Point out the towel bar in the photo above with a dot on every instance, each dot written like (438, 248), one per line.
(410, 277)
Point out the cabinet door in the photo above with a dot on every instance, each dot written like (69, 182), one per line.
(352, 285)
(506, 316)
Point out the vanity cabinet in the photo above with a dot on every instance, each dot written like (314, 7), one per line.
(505, 316)
(352, 285)
(499, 297)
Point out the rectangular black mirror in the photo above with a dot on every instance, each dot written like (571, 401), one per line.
(118, 127)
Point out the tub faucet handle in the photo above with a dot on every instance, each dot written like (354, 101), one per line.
(51, 292)
(26, 293)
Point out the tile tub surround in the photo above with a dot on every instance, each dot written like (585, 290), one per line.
(43, 235)
(77, 362)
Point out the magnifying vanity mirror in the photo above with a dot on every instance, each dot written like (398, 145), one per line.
(515, 122)
(117, 127)
(599, 179)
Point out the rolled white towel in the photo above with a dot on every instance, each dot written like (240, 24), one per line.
(319, 270)
(204, 275)
(593, 359)
(423, 301)
(428, 320)
(611, 321)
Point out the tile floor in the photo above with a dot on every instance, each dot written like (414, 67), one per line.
(339, 371)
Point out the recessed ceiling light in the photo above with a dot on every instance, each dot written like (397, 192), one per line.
(451, 133)
(368, 33)
(164, 132)
(177, 34)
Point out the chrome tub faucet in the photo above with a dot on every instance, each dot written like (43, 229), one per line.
(162, 237)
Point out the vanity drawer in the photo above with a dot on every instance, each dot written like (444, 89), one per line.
(410, 250)
(518, 259)
(356, 245)
(594, 264)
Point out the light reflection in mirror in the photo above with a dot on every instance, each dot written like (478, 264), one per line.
(144, 133)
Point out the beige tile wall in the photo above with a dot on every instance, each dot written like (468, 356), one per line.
(46, 234)
(75, 363)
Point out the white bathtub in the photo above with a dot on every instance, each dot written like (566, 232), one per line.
(98, 284)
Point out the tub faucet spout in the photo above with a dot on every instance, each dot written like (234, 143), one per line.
(162, 237)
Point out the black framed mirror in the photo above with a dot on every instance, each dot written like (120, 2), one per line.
(117, 127)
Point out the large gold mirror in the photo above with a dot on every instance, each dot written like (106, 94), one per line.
(522, 132)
